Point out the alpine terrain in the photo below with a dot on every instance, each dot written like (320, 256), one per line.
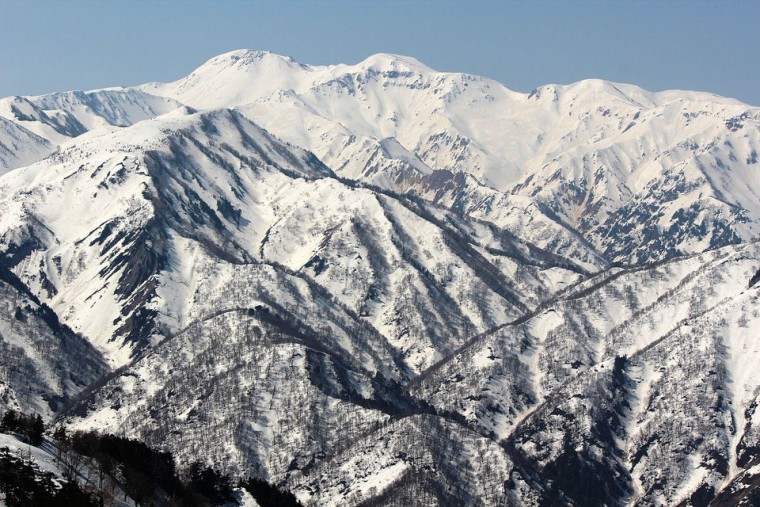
(379, 284)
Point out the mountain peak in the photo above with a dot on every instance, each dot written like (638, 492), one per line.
(247, 57)
(388, 61)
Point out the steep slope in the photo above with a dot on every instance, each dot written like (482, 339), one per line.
(640, 380)
(120, 250)
(43, 363)
(252, 392)
(19, 146)
(596, 385)
(417, 460)
(32, 127)
(95, 258)
(270, 363)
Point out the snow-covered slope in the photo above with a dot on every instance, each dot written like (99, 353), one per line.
(32, 127)
(599, 382)
(43, 364)
(19, 146)
(641, 175)
(459, 293)
(89, 228)
(598, 170)
(124, 258)
(639, 380)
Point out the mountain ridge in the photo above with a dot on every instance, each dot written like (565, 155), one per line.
(377, 282)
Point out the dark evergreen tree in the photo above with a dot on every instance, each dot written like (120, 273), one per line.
(9, 423)
(268, 495)
(35, 429)
(22, 483)
(71, 495)
(60, 434)
(214, 485)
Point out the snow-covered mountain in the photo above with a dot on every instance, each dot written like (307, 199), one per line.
(642, 176)
(375, 283)
(32, 127)
(166, 200)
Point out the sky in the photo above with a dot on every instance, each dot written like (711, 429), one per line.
(48, 46)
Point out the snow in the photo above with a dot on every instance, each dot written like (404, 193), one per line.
(544, 323)
(392, 121)
(509, 129)
(456, 292)
(41, 456)
(243, 498)
(741, 339)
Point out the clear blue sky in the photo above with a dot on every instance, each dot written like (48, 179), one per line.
(711, 46)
